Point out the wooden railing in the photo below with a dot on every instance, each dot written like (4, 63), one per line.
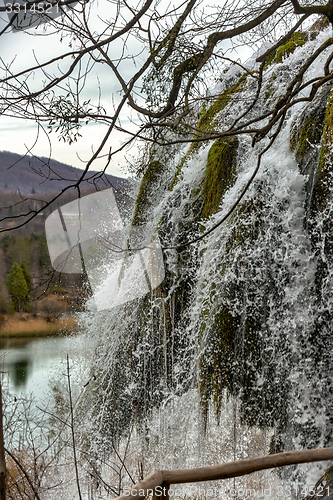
(157, 484)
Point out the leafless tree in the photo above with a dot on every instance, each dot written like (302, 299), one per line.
(164, 58)
(42, 447)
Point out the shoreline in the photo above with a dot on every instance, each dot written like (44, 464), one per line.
(25, 327)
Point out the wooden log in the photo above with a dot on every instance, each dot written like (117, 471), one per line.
(224, 471)
(247, 466)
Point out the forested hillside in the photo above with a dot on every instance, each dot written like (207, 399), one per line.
(48, 294)
(28, 183)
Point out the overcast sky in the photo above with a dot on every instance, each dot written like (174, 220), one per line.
(19, 135)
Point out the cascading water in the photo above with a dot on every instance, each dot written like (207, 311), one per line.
(231, 355)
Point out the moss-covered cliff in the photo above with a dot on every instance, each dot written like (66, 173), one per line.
(247, 311)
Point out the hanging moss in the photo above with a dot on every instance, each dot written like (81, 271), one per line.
(285, 50)
(325, 165)
(143, 199)
(309, 134)
(305, 138)
(320, 25)
(155, 324)
(207, 121)
(315, 127)
(317, 164)
(242, 232)
(237, 349)
(220, 173)
(216, 366)
(234, 360)
(322, 237)
(297, 40)
(178, 172)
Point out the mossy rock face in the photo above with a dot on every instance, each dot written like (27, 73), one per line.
(322, 237)
(305, 139)
(271, 88)
(236, 339)
(242, 232)
(325, 165)
(178, 173)
(207, 121)
(284, 51)
(315, 130)
(233, 361)
(216, 368)
(319, 225)
(220, 173)
(144, 198)
(307, 134)
(319, 185)
(320, 25)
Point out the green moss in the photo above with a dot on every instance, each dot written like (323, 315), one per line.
(284, 51)
(270, 59)
(221, 368)
(234, 355)
(207, 122)
(220, 173)
(327, 135)
(288, 48)
(226, 334)
(270, 91)
(325, 159)
(310, 133)
(143, 199)
(321, 235)
(320, 25)
(216, 367)
(178, 173)
(242, 232)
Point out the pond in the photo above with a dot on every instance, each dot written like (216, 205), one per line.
(33, 365)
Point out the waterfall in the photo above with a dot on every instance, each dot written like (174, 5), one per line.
(230, 356)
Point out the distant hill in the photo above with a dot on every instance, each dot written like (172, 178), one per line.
(27, 183)
(30, 175)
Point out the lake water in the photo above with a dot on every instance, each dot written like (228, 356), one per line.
(33, 365)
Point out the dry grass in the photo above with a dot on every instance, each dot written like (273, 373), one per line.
(35, 327)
